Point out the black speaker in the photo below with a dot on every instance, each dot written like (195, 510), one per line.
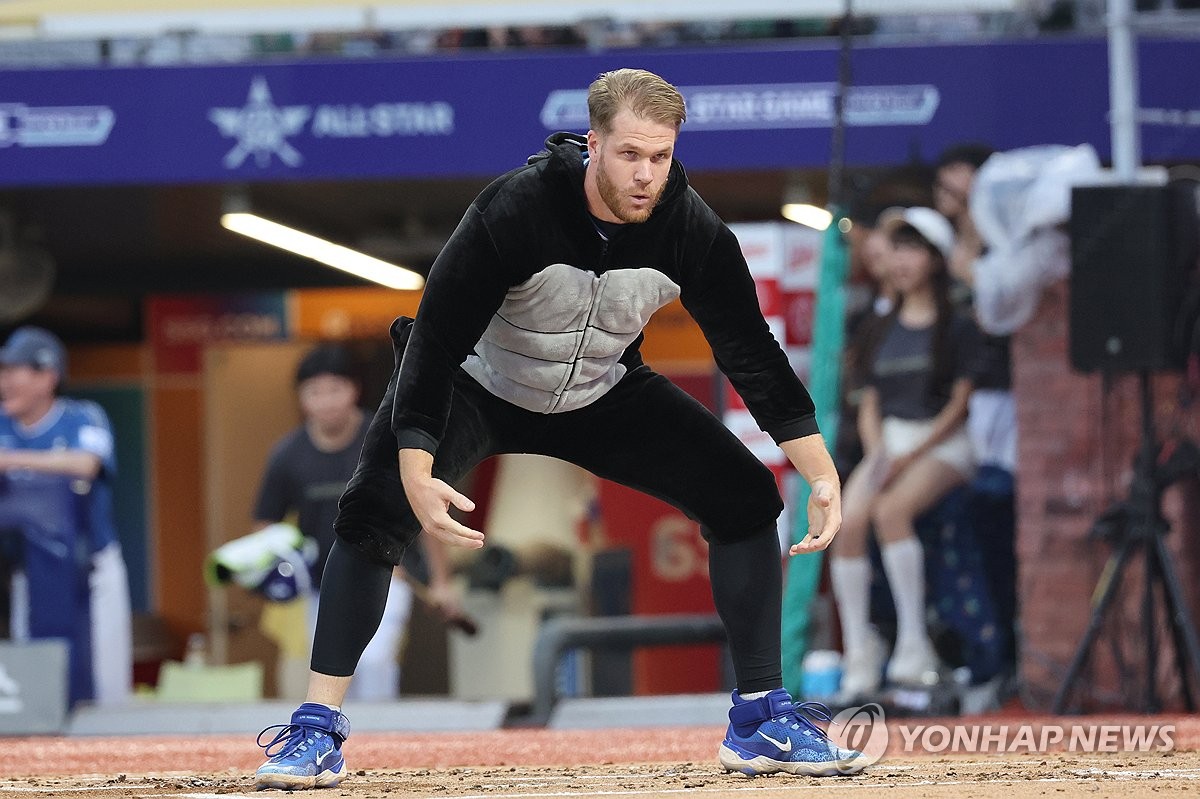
(1133, 249)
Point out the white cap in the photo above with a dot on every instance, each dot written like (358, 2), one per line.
(932, 226)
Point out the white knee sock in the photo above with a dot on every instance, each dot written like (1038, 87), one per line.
(851, 579)
(904, 564)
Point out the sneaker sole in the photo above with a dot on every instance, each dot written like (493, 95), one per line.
(731, 760)
(296, 782)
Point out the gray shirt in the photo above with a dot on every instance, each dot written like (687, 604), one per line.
(309, 482)
(902, 371)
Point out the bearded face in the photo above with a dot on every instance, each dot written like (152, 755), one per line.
(628, 168)
(633, 200)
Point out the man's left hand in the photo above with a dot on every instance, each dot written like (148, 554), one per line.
(824, 518)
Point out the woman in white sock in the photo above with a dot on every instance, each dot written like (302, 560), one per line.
(912, 424)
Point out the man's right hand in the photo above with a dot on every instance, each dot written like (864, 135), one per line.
(431, 499)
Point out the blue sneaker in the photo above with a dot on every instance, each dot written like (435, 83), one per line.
(782, 737)
(307, 751)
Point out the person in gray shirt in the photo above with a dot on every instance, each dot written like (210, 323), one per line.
(912, 424)
(305, 476)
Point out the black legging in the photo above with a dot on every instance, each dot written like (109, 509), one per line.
(746, 586)
(354, 591)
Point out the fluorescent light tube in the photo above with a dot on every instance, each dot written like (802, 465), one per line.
(326, 252)
(807, 214)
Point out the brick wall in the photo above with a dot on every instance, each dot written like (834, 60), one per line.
(1078, 434)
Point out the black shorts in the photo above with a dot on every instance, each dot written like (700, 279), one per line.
(645, 433)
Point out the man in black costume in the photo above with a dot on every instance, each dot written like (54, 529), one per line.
(526, 340)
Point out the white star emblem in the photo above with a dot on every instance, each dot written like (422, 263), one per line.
(260, 127)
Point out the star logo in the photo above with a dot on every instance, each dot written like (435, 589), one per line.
(260, 127)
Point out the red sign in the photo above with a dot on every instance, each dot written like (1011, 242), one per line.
(670, 575)
(799, 309)
(179, 327)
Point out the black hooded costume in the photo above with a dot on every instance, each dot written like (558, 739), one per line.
(526, 340)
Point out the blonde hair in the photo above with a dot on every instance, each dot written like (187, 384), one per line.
(645, 94)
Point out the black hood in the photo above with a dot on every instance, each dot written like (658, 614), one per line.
(565, 152)
(562, 144)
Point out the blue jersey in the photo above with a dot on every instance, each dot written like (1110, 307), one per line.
(78, 425)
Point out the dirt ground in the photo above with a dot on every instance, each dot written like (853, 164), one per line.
(520, 764)
(1009, 777)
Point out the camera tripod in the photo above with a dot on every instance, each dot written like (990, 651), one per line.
(1137, 524)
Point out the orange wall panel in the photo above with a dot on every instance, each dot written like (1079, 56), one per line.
(674, 341)
(349, 313)
(179, 506)
(104, 362)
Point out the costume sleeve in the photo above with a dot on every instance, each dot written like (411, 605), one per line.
(466, 286)
(721, 297)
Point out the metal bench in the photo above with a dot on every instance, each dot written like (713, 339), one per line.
(562, 633)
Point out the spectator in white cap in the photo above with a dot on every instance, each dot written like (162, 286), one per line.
(911, 421)
(41, 431)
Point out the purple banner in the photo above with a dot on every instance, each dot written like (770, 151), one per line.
(482, 114)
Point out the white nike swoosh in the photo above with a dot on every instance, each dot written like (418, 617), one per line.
(321, 758)
(784, 746)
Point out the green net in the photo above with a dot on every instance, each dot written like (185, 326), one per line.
(803, 572)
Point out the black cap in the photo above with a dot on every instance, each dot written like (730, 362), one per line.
(327, 359)
(973, 154)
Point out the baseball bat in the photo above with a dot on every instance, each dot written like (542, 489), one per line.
(459, 621)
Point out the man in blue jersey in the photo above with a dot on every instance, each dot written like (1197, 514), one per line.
(44, 433)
